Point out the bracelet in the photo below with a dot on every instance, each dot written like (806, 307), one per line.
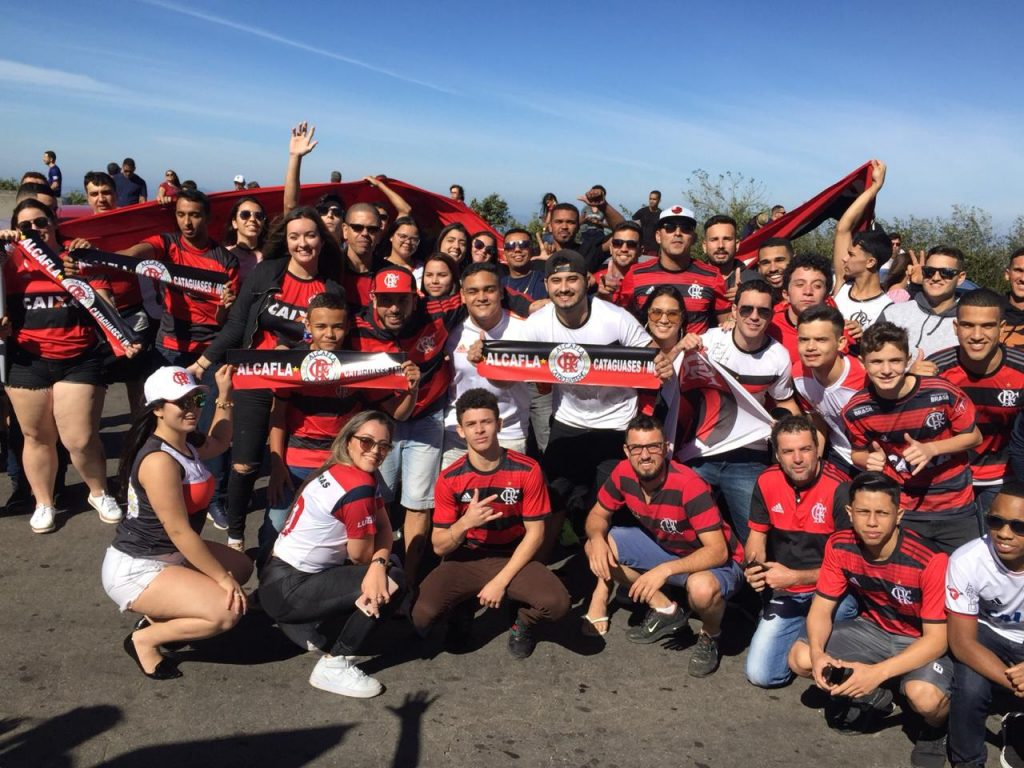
(225, 404)
(201, 366)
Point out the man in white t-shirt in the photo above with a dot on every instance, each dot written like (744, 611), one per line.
(985, 628)
(589, 423)
(761, 366)
(487, 320)
(825, 378)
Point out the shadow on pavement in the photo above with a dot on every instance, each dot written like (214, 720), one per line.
(49, 744)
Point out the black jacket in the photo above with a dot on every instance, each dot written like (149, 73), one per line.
(256, 294)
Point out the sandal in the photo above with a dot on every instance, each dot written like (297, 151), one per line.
(589, 626)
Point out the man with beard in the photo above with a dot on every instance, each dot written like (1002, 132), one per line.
(992, 376)
(681, 541)
(623, 251)
(719, 247)
(1013, 331)
(773, 257)
(796, 505)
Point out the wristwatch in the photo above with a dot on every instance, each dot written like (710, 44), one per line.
(383, 561)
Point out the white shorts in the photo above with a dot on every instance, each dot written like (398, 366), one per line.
(126, 577)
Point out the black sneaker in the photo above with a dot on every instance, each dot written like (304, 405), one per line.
(929, 749)
(521, 641)
(1012, 754)
(705, 656)
(858, 715)
(217, 515)
(656, 626)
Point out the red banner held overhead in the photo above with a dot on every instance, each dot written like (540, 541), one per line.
(124, 227)
(313, 369)
(828, 204)
(582, 364)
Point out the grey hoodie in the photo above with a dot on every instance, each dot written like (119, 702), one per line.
(928, 330)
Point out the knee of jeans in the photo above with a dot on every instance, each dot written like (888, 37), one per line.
(765, 672)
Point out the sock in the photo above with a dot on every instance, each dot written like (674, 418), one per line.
(668, 609)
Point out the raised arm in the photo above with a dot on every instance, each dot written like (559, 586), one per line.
(300, 145)
(844, 229)
(401, 206)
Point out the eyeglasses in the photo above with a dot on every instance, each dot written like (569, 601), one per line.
(480, 245)
(619, 243)
(189, 402)
(765, 313)
(334, 210)
(517, 245)
(367, 444)
(655, 449)
(411, 239)
(671, 314)
(247, 214)
(996, 523)
(39, 223)
(946, 273)
(678, 226)
(373, 229)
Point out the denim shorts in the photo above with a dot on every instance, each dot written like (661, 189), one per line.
(414, 461)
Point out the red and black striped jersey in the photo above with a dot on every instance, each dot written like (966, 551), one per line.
(784, 330)
(422, 339)
(898, 594)
(677, 512)
(45, 320)
(189, 322)
(798, 521)
(282, 321)
(933, 410)
(522, 495)
(702, 288)
(314, 418)
(997, 401)
(357, 290)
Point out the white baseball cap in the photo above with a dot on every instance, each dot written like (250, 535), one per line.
(239, 179)
(677, 212)
(170, 383)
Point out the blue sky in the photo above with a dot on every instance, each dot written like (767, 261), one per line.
(529, 97)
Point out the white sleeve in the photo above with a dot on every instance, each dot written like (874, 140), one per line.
(782, 389)
(631, 333)
(961, 594)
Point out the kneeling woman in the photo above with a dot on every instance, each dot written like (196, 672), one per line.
(332, 557)
(185, 587)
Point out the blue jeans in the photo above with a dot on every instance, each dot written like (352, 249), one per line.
(273, 520)
(732, 477)
(782, 623)
(971, 698)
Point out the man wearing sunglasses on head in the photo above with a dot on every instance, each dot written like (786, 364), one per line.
(984, 610)
(761, 366)
(928, 317)
(701, 285)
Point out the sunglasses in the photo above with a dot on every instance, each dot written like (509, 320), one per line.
(189, 402)
(671, 314)
(480, 245)
(678, 226)
(333, 210)
(619, 243)
(257, 215)
(996, 523)
(946, 273)
(373, 229)
(38, 223)
(517, 245)
(765, 313)
(636, 449)
(367, 444)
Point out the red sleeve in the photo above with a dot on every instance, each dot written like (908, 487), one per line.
(722, 304)
(159, 246)
(933, 589)
(536, 504)
(831, 581)
(445, 507)
(963, 417)
(358, 511)
(610, 496)
(858, 440)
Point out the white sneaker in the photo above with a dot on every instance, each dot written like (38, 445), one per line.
(338, 674)
(107, 508)
(42, 519)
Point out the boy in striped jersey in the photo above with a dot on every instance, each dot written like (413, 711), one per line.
(900, 635)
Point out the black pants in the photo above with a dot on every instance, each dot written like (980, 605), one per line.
(249, 442)
(577, 462)
(299, 602)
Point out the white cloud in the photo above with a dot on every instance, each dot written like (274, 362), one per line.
(26, 74)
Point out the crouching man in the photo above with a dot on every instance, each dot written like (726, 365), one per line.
(900, 635)
(682, 542)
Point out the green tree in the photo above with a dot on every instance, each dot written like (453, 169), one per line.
(732, 194)
(75, 197)
(494, 210)
(8, 184)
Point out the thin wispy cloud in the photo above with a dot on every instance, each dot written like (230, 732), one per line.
(257, 32)
(27, 74)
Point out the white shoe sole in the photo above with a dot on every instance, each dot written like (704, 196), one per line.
(107, 520)
(354, 694)
(51, 529)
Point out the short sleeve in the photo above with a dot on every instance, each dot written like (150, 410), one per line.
(782, 389)
(536, 504)
(964, 415)
(933, 587)
(610, 496)
(961, 595)
(631, 333)
(831, 579)
(445, 507)
(760, 520)
(159, 246)
(840, 500)
(357, 511)
(858, 440)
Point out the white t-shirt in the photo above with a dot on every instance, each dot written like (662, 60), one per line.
(513, 397)
(864, 311)
(829, 402)
(978, 584)
(581, 406)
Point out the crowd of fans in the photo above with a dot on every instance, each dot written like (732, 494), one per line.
(879, 529)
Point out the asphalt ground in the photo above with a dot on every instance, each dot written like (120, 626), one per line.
(71, 697)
